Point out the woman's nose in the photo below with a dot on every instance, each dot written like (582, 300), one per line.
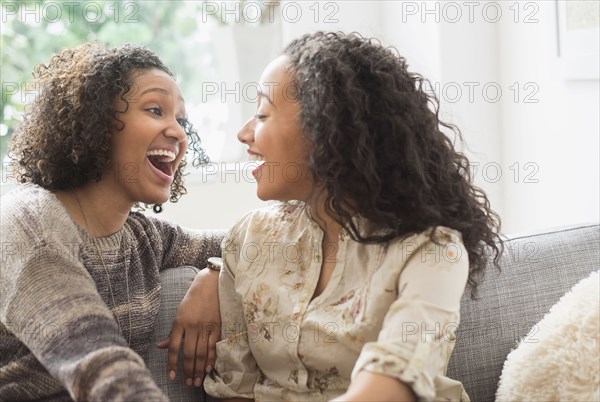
(246, 133)
(176, 131)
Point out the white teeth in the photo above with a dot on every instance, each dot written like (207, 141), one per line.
(168, 155)
(256, 157)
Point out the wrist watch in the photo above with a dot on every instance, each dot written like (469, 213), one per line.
(215, 264)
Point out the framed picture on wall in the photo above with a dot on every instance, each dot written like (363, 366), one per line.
(578, 23)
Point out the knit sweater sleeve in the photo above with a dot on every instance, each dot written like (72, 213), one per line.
(50, 303)
(184, 246)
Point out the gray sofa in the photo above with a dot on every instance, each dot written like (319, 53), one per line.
(536, 270)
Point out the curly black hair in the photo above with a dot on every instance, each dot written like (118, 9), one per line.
(64, 140)
(378, 146)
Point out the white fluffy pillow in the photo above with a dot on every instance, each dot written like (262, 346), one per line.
(564, 363)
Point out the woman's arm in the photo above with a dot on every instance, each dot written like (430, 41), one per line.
(50, 303)
(368, 386)
(236, 371)
(415, 342)
(181, 246)
(198, 317)
(198, 320)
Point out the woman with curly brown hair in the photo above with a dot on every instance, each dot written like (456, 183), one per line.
(350, 288)
(79, 286)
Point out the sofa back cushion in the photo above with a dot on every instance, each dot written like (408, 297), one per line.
(536, 270)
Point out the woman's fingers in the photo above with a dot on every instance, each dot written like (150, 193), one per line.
(163, 344)
(205, 356)
(211, 356)
(189, 355)
(198, 320)
(200, 360)
(174, 345)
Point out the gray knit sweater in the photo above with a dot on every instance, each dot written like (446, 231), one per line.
(58, 335)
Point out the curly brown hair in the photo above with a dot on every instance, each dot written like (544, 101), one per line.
(378, 146)
(64, 140)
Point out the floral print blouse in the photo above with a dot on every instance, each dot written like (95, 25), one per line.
(388, 308)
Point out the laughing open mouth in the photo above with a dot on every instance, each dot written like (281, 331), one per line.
(162, 160)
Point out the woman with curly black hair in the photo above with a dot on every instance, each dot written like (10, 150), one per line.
(350, 288)
(79, 286)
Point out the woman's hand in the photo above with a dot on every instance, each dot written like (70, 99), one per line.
(198, 320)
(368, 386)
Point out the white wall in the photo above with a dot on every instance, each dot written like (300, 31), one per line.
(362, 16)
(559, 134)
(215, 199)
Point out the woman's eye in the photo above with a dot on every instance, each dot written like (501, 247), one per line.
(183, 123)
(260, 116)
(155, 110)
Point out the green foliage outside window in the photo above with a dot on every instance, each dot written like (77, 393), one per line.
(32, 31)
